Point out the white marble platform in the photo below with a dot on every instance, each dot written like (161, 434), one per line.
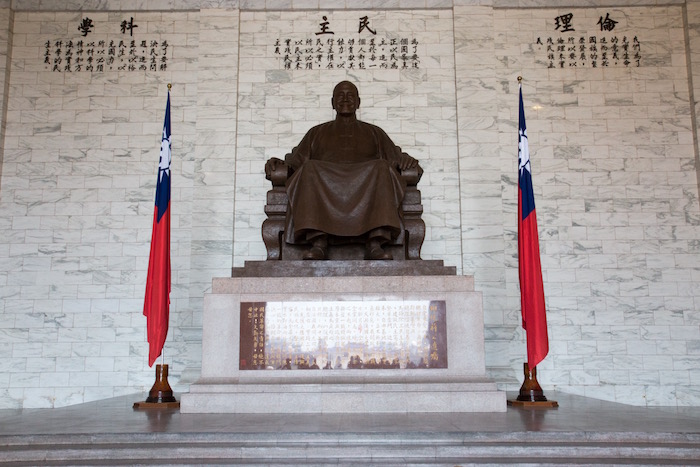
(462, 387)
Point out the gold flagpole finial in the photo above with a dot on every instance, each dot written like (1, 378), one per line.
(169, 86)
(520, 79)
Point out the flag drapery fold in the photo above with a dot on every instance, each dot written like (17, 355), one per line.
(156, 306)
(532, 304)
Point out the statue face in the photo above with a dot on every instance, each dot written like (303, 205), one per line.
(345, 99)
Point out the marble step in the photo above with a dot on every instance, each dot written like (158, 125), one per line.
(419, 448)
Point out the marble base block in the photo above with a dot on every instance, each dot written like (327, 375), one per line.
(461, 387)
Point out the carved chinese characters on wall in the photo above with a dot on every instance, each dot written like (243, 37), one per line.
(365, 49)
(99, 53)
(606, 47)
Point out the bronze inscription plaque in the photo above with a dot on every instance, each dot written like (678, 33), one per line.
(342, 335)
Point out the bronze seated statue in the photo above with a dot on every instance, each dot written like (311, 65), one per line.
(346, 188)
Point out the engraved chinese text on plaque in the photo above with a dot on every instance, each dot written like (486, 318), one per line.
(335, 335)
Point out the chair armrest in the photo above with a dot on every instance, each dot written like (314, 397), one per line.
(279, 175)
(412, 176)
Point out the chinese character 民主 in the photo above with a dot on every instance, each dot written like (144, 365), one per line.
(364, 24)
(324, 27)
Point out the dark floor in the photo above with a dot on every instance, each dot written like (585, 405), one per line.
(575, 414)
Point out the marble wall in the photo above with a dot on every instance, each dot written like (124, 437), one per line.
(614, 167)
(614, 157)
(78, 179)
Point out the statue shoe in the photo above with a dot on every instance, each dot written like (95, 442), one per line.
(315, 253)
(379, 253)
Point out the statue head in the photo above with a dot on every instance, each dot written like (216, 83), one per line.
(346, 98)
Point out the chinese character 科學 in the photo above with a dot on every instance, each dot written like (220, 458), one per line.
(128, 26)
(85, 26)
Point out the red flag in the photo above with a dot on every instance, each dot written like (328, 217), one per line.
(156, 305)
(531, 286)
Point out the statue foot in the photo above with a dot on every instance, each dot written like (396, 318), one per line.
(379, 253)
(319, 246)
(315, 253)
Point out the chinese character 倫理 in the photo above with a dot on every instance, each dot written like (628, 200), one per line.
(564, 22)
(607, 24)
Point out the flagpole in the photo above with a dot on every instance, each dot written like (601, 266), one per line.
(532, 305)
(157, 297)
(162, 355)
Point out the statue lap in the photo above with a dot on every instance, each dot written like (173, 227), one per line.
(406, 245)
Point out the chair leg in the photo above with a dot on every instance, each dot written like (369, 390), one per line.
(415, 234)
(272, 230)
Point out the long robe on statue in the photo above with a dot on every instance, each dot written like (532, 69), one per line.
(345, 182)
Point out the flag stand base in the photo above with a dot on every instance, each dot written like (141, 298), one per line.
(161, 395)
(531, 394)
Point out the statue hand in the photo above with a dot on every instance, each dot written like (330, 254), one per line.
(407, 162)
(271, 165)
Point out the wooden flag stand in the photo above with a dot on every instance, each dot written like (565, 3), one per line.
(161, 395)
(531, 394)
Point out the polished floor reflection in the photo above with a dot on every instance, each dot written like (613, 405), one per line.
(581, 431)
(575, 414)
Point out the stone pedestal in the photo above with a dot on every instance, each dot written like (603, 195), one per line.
(461, 387)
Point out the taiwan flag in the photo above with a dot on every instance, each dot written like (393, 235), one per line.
(156, 306)
(531, 287)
